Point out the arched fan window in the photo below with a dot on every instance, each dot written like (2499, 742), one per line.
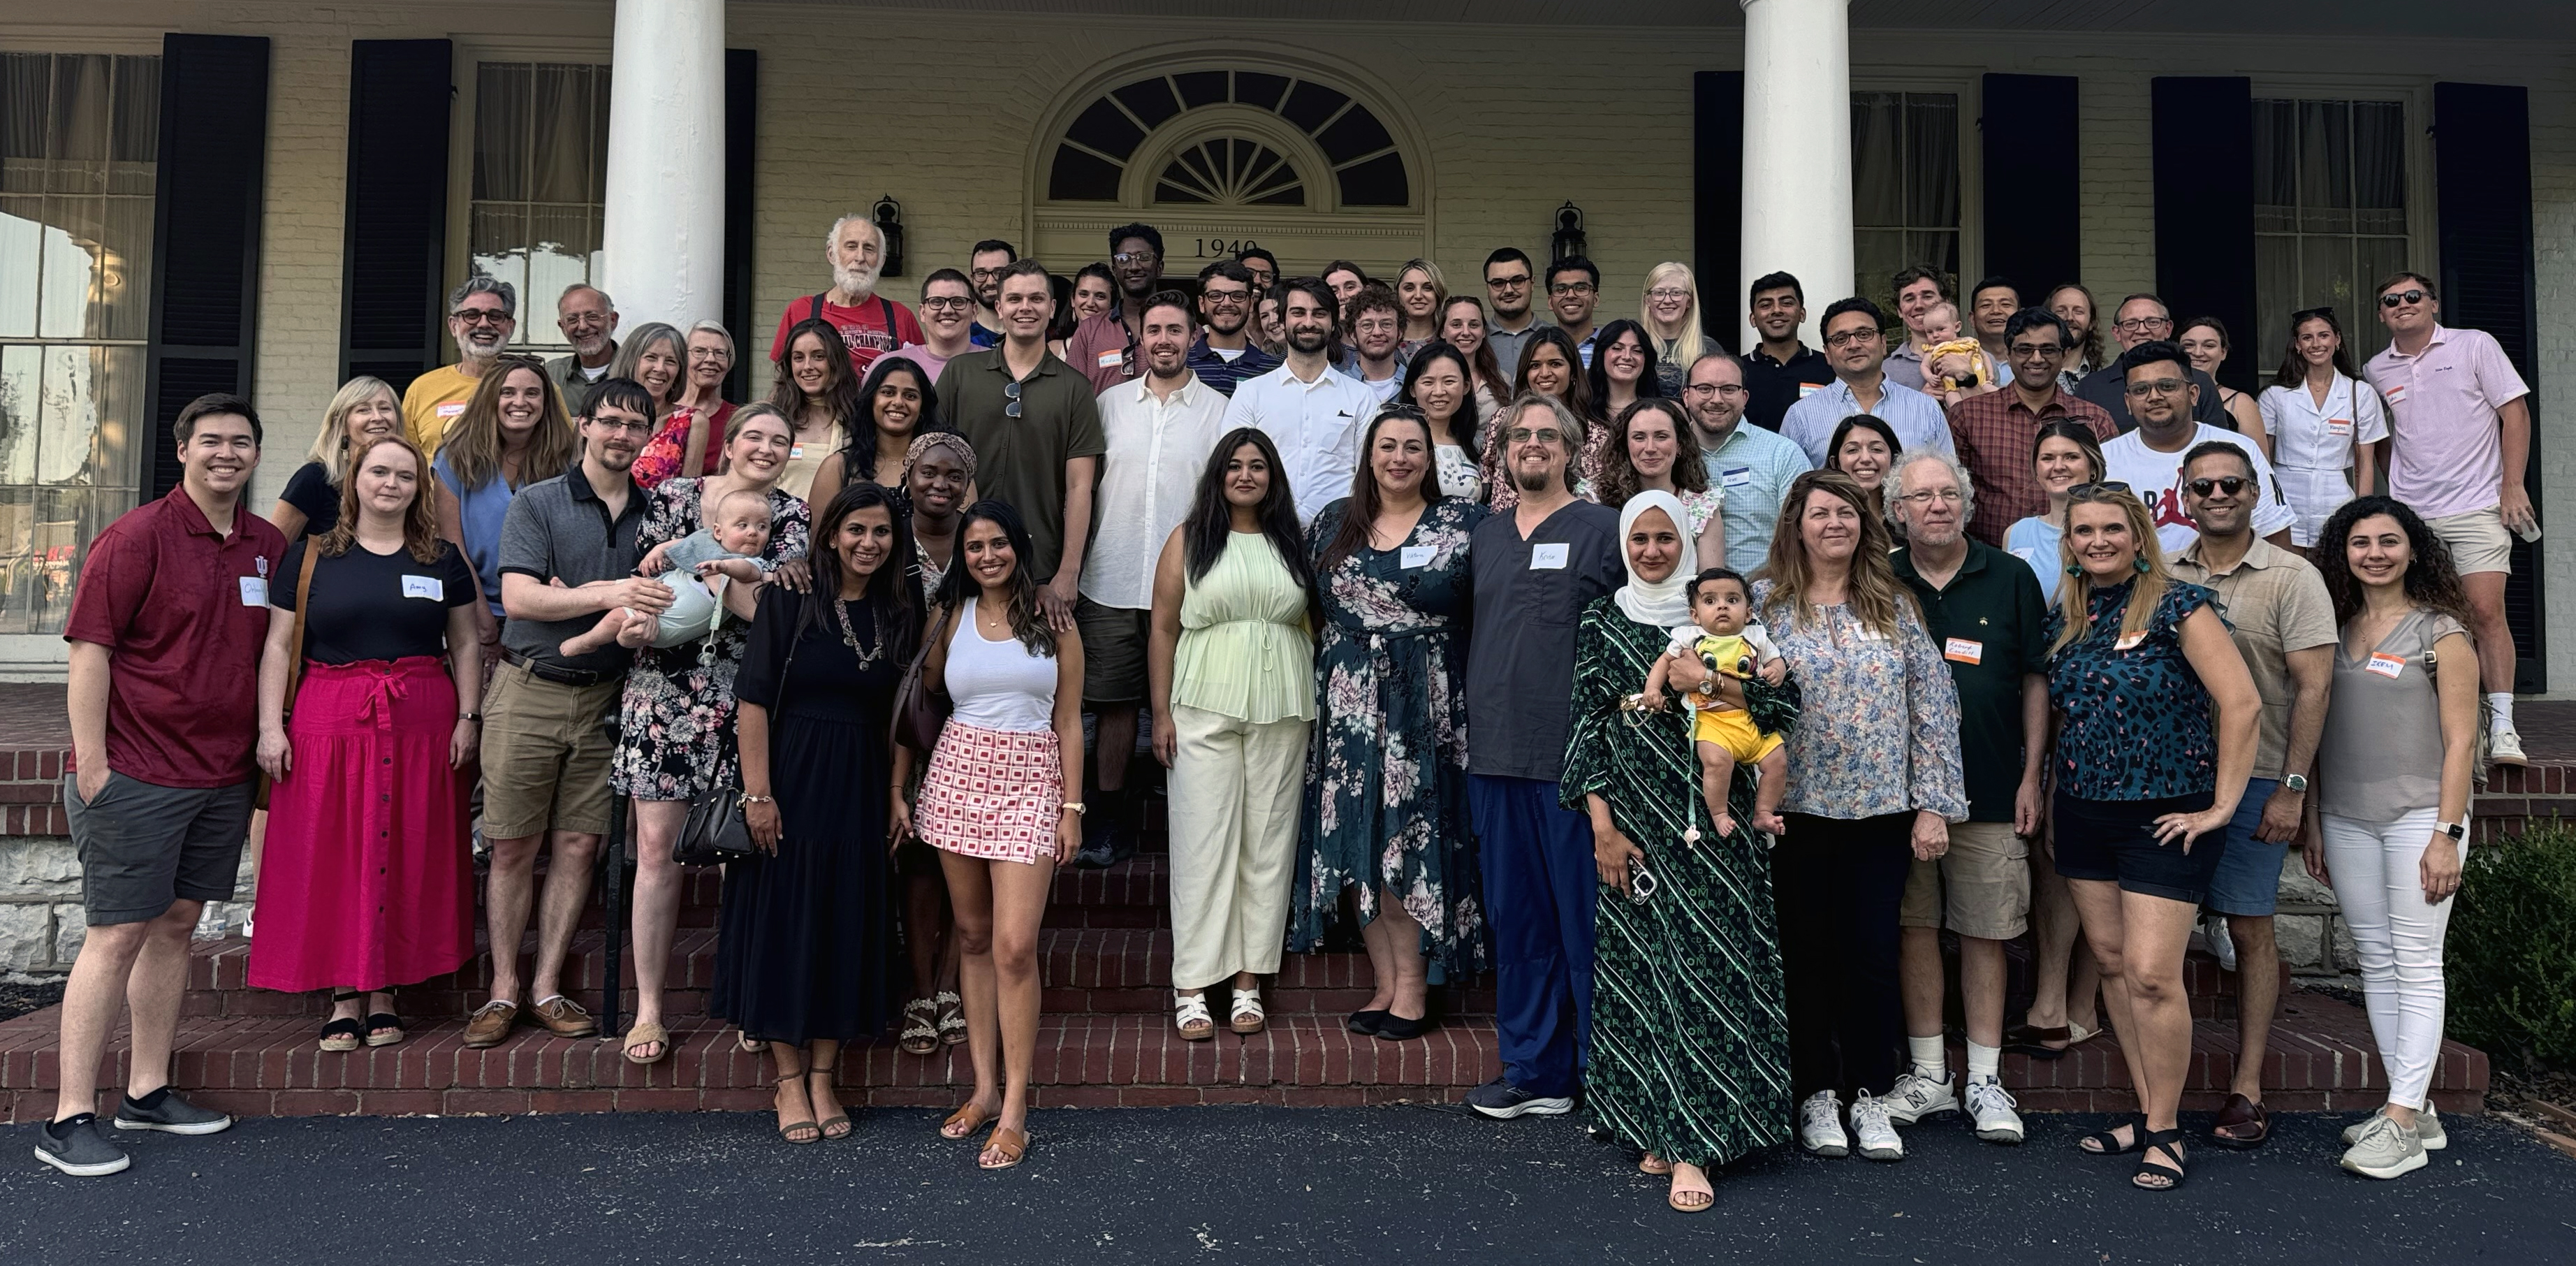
(1231, 171)
(1366, 169)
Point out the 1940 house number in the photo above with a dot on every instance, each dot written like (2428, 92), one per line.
(1220, 248)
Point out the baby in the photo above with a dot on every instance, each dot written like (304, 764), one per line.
(1941, 338)
(728, 547)
(1726, 640)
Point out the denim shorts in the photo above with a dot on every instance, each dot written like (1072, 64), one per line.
(2248, 878)
(2115, 841)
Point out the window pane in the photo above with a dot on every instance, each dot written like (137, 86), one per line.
(72, 402)
(562, 242)
(2276, 185)
(2330, 213)
(1931, 159)
(134, 140)
(22, 232)
(1876, 255)
(21, 411)
(22, 574)
(2379, 167)
(2379, 257)
(125, 271)
(501, 109)
(66, 521)
(71, 236)
(112, 460)
(77, 145)
(2325, 167)
(1878, 159)
(25, 80)
(500, 244)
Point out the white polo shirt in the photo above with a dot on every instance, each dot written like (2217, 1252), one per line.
(1316, 425)
(1157, 450)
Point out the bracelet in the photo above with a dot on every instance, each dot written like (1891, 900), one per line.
(749, 799)
(1076, 807)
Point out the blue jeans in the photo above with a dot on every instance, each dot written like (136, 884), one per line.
(1540, 887)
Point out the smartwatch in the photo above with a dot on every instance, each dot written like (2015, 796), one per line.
(2295, 782)
(2456, 830)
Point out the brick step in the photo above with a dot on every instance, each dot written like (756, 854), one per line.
(2321, 1059)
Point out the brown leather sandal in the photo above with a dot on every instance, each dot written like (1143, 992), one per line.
(2242, 1125)
(1012, 1144)
(964, 1121)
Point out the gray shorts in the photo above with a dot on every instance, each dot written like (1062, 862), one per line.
(144, 846)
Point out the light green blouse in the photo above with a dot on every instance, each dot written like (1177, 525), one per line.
(1244, 651)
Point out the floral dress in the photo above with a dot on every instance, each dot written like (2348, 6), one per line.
(675, 726)
(1386, 774)
(666, 454)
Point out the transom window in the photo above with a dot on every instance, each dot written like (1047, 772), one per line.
(540, 183)
(2329, 215)
(1366, 170)
(1231, 171)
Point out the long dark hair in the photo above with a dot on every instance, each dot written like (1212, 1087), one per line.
(2294, 367)
(1597, 375)
(1362, 509)
(859, 452)
(1578, 385)
(2432, 581)
(840, 395)
(888, 589)
(1486, 365)
(1463, 423)
(1027, 622)
(1619, 480)
(1211, 520)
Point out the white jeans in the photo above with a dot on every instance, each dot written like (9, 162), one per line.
(2377, 882)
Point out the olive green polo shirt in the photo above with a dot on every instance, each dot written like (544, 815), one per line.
(1987, 622)
(1021, 460)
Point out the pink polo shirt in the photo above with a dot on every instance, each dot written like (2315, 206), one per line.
(2442, 405)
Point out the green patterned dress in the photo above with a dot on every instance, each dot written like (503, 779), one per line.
(1690, 1042)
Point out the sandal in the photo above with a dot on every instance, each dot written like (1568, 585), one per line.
(920, 1027)
(952, 1017)
(834, 1127)
(790, 1130)
(1012, 1144)
(1690, 1199)
(1653, 1164)
(2032, 1040)
(2107, 1142)
(2155, 1177)
(743, 1041)
(2245, 1115)
(345, 1033)
(647, 1033)
(1246, 1017)
(1190, 1013)
(964, 1121)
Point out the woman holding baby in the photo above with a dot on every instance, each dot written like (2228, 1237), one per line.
(675, 729)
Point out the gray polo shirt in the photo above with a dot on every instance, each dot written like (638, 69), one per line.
(1520, 658)
(558, 529)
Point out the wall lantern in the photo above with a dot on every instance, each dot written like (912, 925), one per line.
(1569, 233)
(889, 217)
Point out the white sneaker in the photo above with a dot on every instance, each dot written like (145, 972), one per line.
(2428, 1128)
(2213, 928)
(1991, 1107)
(1820, 1125)
(2504, 747)
(1878, 1137)
(2385, 1150)
(1917, 1096)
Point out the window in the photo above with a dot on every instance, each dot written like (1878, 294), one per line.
(1230, 172)
(540, 181)
(1365, 168)
(1905, 189)
(2329, 215)
(79, 134)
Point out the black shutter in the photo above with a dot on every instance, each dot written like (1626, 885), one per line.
(2204, 170)
(2034, 207)
(206, 196)
(2482, 185)
(742, 130)
(394, 258)
(1717, 211)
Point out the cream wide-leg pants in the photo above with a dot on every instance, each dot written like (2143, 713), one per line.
(1235, 791)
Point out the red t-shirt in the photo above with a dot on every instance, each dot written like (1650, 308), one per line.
(185, 614)
(869, 330)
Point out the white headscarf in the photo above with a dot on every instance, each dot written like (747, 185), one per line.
(1662, 603)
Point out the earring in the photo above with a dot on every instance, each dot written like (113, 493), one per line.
(2074, 569)
(2141, 565)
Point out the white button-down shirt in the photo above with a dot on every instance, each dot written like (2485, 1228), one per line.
(1316, 425)
(2309, 436)
(1917, 418)
(1158, 448)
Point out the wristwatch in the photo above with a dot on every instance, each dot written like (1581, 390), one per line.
(1077, 807)
(2456, 830)
(2295, 782)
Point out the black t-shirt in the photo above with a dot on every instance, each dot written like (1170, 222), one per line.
(375, 606)
(309, 489)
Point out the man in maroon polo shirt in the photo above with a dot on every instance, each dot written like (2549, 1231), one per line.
(165, 636)
(1994, 433)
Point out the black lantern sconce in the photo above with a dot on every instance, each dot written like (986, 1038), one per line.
(889, 217)
(1569, 233)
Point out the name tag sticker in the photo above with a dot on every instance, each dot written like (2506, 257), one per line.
(795, 452)
(1420, 556)
(1962, 651)
(2339, 426)
(2396, 393)
(1806, 389)
(2386, 665)
(451, 408)
(430, 587)
(254, 591)
(2129, 642)
(1547, 557)
(1111, 360)
(1736, 478)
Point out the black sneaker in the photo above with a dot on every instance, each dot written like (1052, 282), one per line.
(1107, 838)
(172, 1115)
(1502, 1101)
(86, 1154)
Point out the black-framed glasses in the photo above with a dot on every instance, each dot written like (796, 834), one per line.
(1571, 288)
(2035, 351)
(2228, 484)
(1713, 388)
(1229, 297)
(1011, 399)
(482, 316)
(2135, 324)
(946, 304)
(2158, 387)
(2400, 298)
(1508, 283)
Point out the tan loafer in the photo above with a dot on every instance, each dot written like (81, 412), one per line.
(564, 1017)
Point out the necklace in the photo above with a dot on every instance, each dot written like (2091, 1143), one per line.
(849, 637)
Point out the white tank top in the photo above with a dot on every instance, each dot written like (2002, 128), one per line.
(998, 685)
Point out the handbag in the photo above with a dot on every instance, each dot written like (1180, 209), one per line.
(716, 831)
(920, 709)
(295, 664)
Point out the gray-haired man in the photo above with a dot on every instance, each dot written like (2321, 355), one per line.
(482, 314)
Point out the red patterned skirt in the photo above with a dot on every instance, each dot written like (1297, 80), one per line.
(994, 794)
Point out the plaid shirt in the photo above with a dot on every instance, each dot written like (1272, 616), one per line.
(1993, 435)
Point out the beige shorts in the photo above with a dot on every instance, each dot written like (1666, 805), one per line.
(1987, 877)
(545, 755)
(2477, 539)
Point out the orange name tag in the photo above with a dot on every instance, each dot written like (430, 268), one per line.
(1961, 650)
(2339, 426)
(2386, 665)
(1112, 360)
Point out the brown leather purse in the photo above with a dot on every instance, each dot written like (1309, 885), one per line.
(920, 711)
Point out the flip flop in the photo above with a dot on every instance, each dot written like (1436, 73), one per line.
(964, 1121)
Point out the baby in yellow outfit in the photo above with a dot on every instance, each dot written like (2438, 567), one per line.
(1725, 639)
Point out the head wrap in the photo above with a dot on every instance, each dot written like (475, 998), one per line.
(1662, 603)
(929, 440)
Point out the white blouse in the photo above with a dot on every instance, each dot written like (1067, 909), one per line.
(2306, 436)
(1458, 474)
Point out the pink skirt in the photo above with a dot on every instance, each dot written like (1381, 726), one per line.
(993, 794)
(367, 881)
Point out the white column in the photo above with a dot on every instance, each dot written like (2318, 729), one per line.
(663, 237)
(1797, 148)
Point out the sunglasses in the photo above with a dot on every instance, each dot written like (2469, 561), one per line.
(2229, 484)
(2401, 298)
(1011, 399)
(2098, 488)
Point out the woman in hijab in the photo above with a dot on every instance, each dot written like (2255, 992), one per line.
(1690, 1046)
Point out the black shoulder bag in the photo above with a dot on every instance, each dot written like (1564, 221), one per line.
(715, 831)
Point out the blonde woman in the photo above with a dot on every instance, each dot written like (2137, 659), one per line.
(1669, 309)
(364, 409)
(1420, 291)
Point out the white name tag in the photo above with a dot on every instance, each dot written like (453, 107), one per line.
(1736, 478)
(1547, 557)
(451, 408)
(1961, 650)
(254, 591)
(2396, 394)
(2386, 665)
(1420, 556)
(795, 452)
(1806, 389)
(2339, 426)
(430, 587)
(1112, 360)
(2129, 642)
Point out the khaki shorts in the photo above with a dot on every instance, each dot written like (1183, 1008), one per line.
(1987, 875)
(545, 755)
(2477, 539)
(1113, 652)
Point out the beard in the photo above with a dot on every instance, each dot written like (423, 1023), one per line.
(589, 347)
(483, 342)
(1308, 340)
(1533, 479)
(1214, 325)
(855, 280)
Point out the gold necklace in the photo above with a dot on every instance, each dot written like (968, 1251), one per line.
(849, 637)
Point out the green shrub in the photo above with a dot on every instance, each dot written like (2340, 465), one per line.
(2511, 956)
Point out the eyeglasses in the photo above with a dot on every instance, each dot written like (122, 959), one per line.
(1571, 288)
(631, 427)
(2098, 488)
(1508, 283)
(987, 274)
(1946, 496)
(947, 305)
(1673, 293)
(2135, 324)
(1544, 435)
(2035, 351)
(2401, 298)
(481, 316)
(1713, 388)
(1850, 338)
(2229, 484)
(1011, 399)
(2159, 387)
(1217, 298)
(1134, 257)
